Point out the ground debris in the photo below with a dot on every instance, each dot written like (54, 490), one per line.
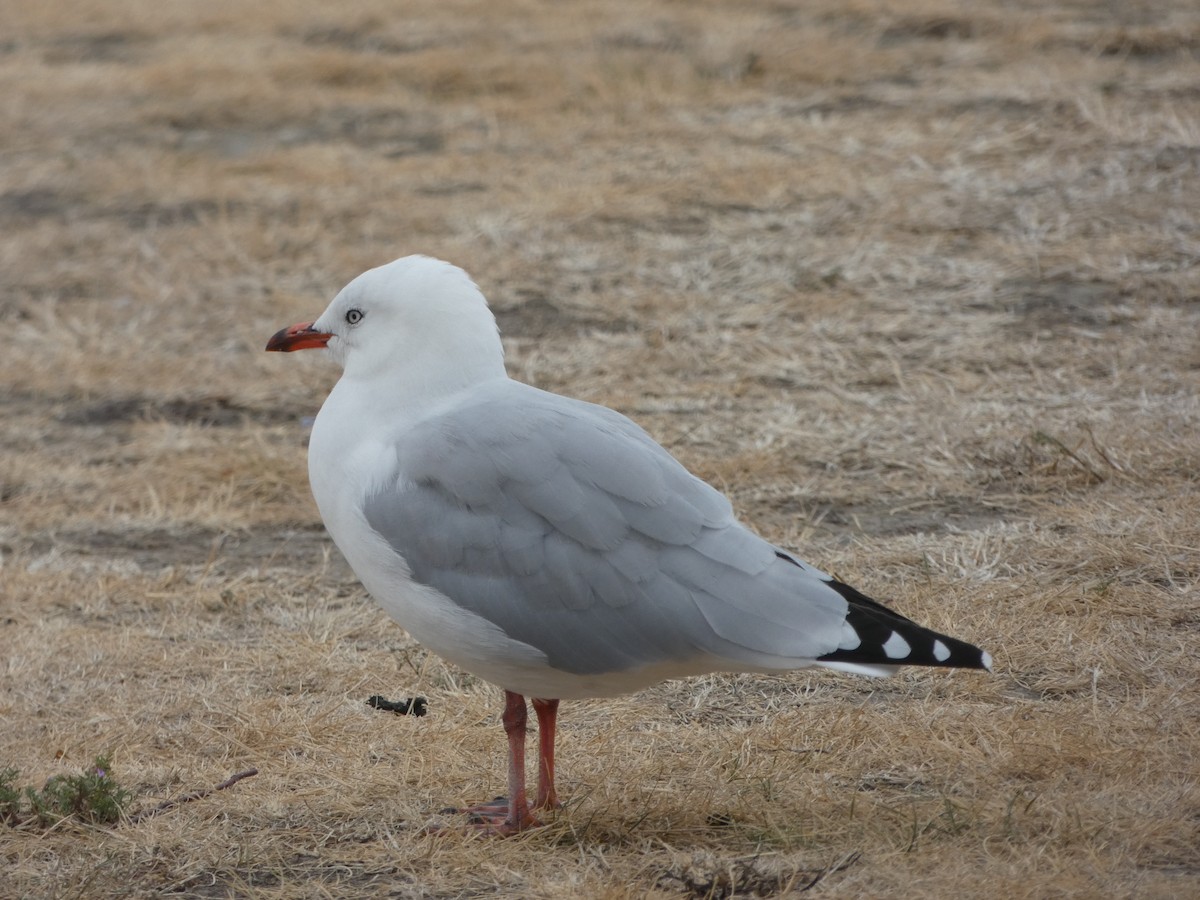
(414, 706)
(188, 798)
(706, 875)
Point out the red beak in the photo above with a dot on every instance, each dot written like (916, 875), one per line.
(298, 337)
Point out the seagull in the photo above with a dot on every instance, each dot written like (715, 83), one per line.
(548, 545)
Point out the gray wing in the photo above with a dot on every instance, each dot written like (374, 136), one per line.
(568, 527)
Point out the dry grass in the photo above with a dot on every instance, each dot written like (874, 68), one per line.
(915, 282)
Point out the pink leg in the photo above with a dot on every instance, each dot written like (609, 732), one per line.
(515, 717)
(547, 714)
(508, 816)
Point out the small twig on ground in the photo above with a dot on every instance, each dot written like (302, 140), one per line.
(1101, 451)
(1042, 438)
(188, 798)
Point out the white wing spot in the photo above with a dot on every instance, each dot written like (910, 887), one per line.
(940, 651)
(850, 638)
(896, 647)
(987, 660)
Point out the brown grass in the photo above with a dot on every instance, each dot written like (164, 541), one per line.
(915, 282)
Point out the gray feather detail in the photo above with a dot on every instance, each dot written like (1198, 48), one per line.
(526, 462)
(586, 514)
(673, 522)
(736, 547)
(523, 553)
(636, 559)
(600, 455)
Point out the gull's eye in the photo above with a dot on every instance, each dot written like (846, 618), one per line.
(354, 316)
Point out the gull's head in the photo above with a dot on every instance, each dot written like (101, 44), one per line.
(414, 315)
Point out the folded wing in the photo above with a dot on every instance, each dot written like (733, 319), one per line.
(569, 528)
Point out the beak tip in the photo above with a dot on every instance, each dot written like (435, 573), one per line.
(298, 337)
(276, 341)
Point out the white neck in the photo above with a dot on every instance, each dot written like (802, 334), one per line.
(425, 375)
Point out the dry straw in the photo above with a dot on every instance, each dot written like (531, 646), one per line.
(915, 283)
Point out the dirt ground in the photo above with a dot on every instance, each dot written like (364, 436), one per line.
(916, 283)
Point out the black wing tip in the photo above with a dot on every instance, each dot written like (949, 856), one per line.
(888, 638)
(961, 655)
